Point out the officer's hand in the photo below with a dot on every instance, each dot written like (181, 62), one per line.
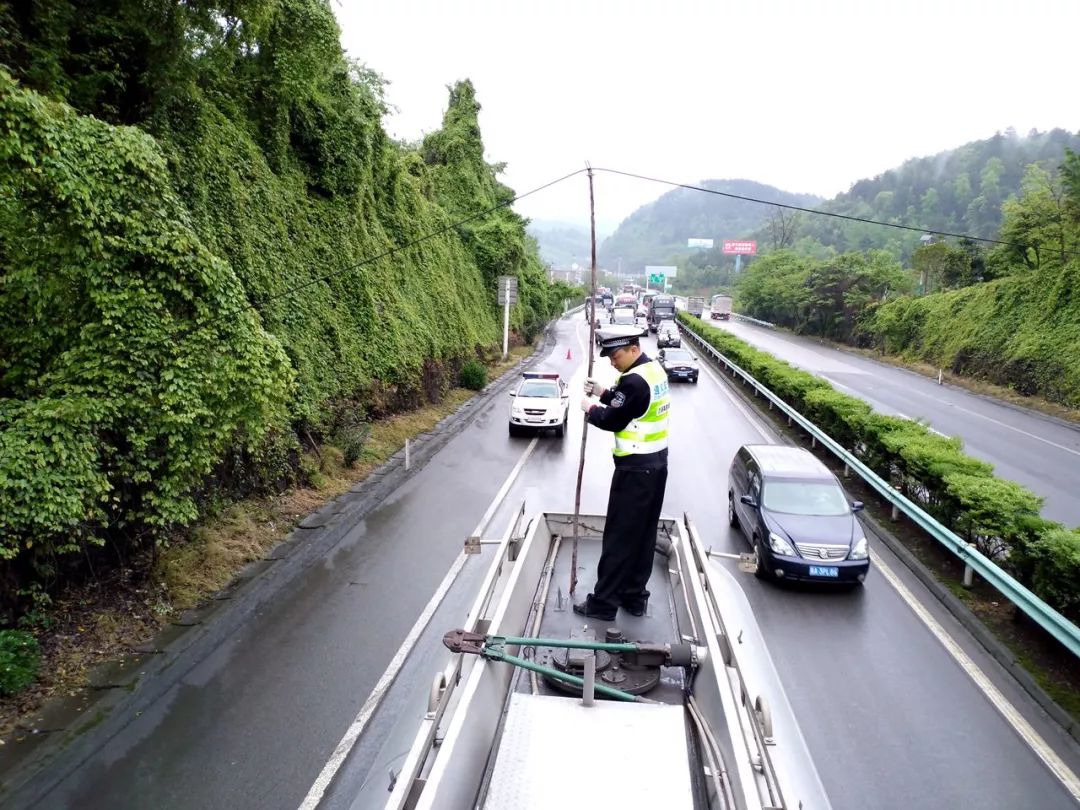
(593, 388)
(587, 404)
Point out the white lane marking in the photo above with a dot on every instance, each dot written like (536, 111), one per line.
(739, 406)
(318, 789)
(973, 413)
(1015, 429)
(345, 746)
(865, 398)
(478, 532)
(992, 693)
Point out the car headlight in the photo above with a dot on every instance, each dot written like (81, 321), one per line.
(861, 550)
(517, 412)
(780, 546)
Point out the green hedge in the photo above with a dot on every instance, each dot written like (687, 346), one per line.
(1000, 517)
(20, 657)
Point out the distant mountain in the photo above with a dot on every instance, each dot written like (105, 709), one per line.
(657, 233)
(959, 190)
(562, 243)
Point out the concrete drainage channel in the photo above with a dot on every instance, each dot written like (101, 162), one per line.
(120, 691)
(961, 612)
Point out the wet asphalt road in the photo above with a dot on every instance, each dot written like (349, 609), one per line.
(892, 720)
(1042, 454)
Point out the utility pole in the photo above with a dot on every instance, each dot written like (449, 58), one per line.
(592, 343)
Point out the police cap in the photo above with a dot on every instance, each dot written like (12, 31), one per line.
(615, 337)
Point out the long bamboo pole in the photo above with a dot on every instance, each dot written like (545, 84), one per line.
(591, 310)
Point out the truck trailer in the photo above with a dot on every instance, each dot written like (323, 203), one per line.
(721, 308)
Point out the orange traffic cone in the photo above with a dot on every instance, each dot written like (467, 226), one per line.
(568, 357)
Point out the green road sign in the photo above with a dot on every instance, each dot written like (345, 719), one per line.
(656, 278)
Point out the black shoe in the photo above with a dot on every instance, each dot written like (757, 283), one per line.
(591, 611)
(636, 605)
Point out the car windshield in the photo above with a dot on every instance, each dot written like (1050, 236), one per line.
(804, 498)
(538, 388)
(623, 318)
(677, 356)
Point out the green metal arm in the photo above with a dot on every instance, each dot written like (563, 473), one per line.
(497, 654)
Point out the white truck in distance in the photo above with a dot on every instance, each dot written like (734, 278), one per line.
(721, 308)
(695, 306)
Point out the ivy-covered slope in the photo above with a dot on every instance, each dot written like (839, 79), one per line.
(1022, 332)
(190, 200)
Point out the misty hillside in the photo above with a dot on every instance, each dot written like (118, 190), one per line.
(960, 191)
(561, 243)
(657, 232)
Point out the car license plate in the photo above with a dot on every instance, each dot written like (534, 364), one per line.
(824, 571)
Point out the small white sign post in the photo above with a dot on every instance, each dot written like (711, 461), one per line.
(507, 297)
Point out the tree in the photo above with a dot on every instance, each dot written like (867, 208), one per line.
(781, 228)
(1038, 225)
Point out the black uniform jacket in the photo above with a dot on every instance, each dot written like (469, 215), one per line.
(621, 405)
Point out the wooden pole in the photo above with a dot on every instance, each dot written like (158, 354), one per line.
(591, 309)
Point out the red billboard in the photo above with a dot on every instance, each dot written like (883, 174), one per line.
(732, 246)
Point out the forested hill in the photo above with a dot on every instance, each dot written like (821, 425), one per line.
(657, 232)
(191, 195)
(959, 191)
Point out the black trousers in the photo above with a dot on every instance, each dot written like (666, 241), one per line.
(626, 556)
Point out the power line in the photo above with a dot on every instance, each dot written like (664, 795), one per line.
(821, 213)
(386, 253)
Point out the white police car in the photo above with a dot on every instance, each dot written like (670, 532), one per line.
(540, 402)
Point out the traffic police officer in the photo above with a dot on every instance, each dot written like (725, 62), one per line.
(636, 411)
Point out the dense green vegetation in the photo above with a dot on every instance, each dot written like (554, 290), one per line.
(961, 190)
(1008, 313)
(1021, 328)
(191, 197)
(999, 517)
(822, 296)
(20, 658)
(657, 233)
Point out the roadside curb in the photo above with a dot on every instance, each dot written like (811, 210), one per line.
(80, 725)
(997, 649)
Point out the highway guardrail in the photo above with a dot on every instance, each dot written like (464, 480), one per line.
(1041, 613)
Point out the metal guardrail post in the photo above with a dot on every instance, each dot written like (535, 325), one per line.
(1041, 613)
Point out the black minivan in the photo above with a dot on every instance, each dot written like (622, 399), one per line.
(796, 516)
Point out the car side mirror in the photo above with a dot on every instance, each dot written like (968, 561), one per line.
(748, 500)
(857, 506)
(513, 393)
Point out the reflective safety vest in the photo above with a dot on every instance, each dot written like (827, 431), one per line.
(649, 432)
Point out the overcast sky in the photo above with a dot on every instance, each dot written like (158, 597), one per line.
(805, 95)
